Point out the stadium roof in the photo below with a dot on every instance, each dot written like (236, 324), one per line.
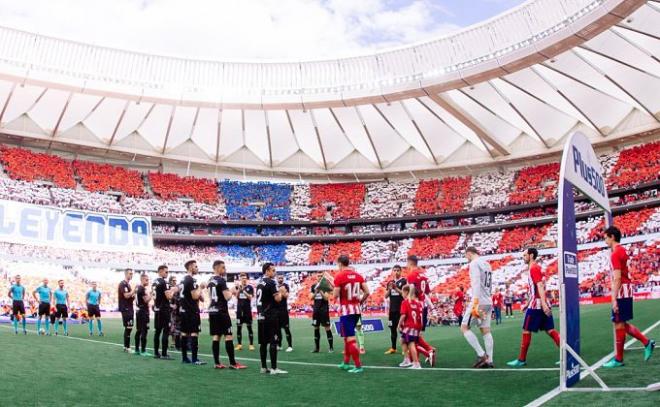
(508, 88)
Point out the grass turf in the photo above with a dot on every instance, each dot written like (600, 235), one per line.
(68, 371)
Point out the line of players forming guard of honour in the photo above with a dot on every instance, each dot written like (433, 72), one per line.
(177, 313)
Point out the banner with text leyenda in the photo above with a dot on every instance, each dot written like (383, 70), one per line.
(74, 229)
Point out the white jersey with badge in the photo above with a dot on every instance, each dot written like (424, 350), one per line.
(481, 281)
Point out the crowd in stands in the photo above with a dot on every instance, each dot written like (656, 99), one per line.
(635, 166)
(170, 186)
(336, 201)
(260, 200)
(95, 177)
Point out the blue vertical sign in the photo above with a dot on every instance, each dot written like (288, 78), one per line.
(580, 169)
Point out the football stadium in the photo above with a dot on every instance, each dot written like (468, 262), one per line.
(301, 202)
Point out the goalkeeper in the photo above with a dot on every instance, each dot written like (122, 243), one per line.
(478, 312)
(320, 294)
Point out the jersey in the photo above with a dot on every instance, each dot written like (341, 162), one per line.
(413, 311)
(459, 302)
(533, 295)
(217, 286)
(140, 303)
(60, 296)
(44, 294)
(320, 303)
(259, 293)
(243, 300)
(93, 297)
(125, 304)
(283, 305)
(417, 278)
(158, 288)
(497, 300)
(349, 282)
(619, 260)
(394, 296)
(17, 292)
(188, 304)
(481, 280)
(266, 304)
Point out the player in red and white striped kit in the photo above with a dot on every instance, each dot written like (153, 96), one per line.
(352, 292)
(538, 315)
(622, 300)
(410, 326)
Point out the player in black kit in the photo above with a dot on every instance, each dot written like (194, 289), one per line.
(395, 297)
(321, 315)
(125, 298)
(283, 308)
(244, 294)
(162, 293)
(268, 296)
(190, 296)
(142, 298)
(219, 320)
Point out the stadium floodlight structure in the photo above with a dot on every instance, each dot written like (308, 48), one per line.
(501, 91)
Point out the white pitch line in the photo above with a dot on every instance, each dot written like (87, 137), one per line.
(555, 392)
(291, 362)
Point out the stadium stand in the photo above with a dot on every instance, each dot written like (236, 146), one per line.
(172, 186)
(336, 201)
(636, 165)
(535, 184)
(104, 177)
(26, 165)
(260, 200)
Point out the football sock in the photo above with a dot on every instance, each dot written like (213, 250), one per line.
(39, 325)
(347, 352)
(393, 335)
(554, 335)
(57, 326)
(273, 355)
(90, 324)
(99, 325)
(24, 321)
(354, 352)
(317, 338)
(250, 334)
(620, 335)
(194, 347)
(229, 346)
(165, 343)
(239, 333)
(263, 353)
(524, 346)
(490, 345)
(328, 333)
(471, 338)
(138, 334)
(66, 330)
(143, 341)
(287, 332)
(15, 322)
(425, 344)
(127, 335)
(424, 351)
(156, 340)
(216, 351)
(183, 342)
(47, 325)
(635, 333)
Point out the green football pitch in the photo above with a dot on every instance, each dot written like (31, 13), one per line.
(79, 370)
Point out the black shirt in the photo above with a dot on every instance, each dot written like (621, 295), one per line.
(269, 307)
(141, 304)
(158, 288)
(187, 303)
(320, 303)
(217, 286)
(125, 304)
(395, 298)
(282, 305)
(243, 300)
(260, 291)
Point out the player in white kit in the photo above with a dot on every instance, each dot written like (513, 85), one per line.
(478, 310)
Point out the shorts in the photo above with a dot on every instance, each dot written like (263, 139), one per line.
(347, 324)
(127, 317)
(44, 309)
(407, 338)
(536, 319)
(393, 319)
(283, 318)
(320, 318)
(190, 323)
(483, 321)
(244, 314)
(268, 330)
(142, 320)
(61, 311)
(93, 311)
(17, 308)
(162, 320)
(219, 324)
(625, 310)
